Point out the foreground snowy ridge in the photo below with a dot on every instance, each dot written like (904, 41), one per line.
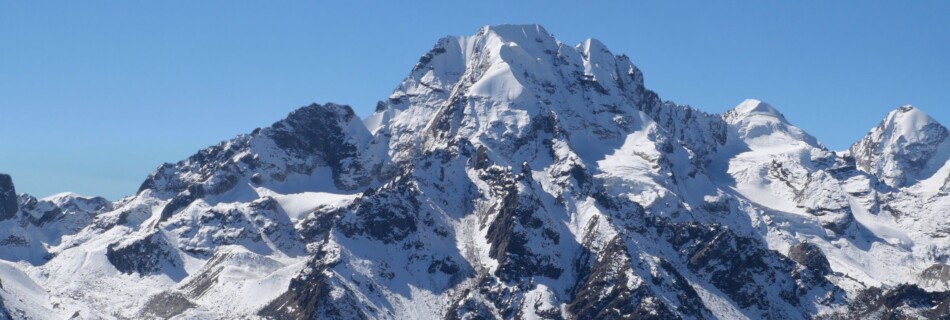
(509, 176)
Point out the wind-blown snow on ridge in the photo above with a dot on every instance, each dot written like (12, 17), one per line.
(509, 175)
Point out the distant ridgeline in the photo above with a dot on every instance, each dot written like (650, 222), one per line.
(509, 176)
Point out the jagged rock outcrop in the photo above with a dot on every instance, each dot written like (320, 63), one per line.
(310, 138)
(31, 225)
(8, 198)
(311, 295)
(903, 302)
(936, 277)
(166, 306)
(144, 255)
(72, 212)
(810, 256)
(510, 176)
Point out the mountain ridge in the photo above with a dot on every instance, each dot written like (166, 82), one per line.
(508, 176)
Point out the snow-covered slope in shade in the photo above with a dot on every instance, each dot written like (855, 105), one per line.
(509, 175)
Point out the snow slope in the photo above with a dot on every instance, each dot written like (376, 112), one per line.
(509, 175)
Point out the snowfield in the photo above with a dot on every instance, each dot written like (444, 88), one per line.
(508, 176)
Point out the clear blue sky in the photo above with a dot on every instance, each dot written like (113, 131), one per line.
(94, 96)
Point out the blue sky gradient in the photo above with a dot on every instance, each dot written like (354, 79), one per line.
(95, 95)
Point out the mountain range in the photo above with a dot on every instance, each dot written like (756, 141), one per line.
(508, 176)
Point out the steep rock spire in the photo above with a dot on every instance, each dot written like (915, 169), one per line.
(8, 198)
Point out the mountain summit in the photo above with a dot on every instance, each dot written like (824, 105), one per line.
(760, 123)
(509, 175)
(753, 107)
(904, 148)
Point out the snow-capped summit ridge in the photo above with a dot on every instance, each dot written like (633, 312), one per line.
(62, 195)
(592, 44)
(906, 147)
(753, 107)
(532, 42)
(908, 122)
(516, 32)
(758, 123)
(495, 83)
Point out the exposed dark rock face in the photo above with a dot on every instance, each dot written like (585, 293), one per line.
(810, 256)
(690, 304)
(446, 265)
(903, 302)
(8, 198)
(45, 210)
(182, 200)
(73, 212)
(388, 215)
(605, 291)
(489, 299)
(308, 296)
(937, 275)
(320, 130)
(470, 308)
(206, 277)
(728, 261)
(317, 226)
(510, 232)
(700, 132)
(76, 210)
(310, 137)
(144, 255)
(166, 305)
(261, 221)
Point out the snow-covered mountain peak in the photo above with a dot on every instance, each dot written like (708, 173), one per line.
(908, 123)
(490, 64)
(906, 147)
(505, 61)
(760, 124)
(752, 107)
(592, 47)
(502, 82)
(520, 34)
(62, 196)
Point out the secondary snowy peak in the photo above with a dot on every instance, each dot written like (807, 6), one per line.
(314, 142)
(778, 165)
(753, 107)
(759, 124)
(906, 147)
(30, 226)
